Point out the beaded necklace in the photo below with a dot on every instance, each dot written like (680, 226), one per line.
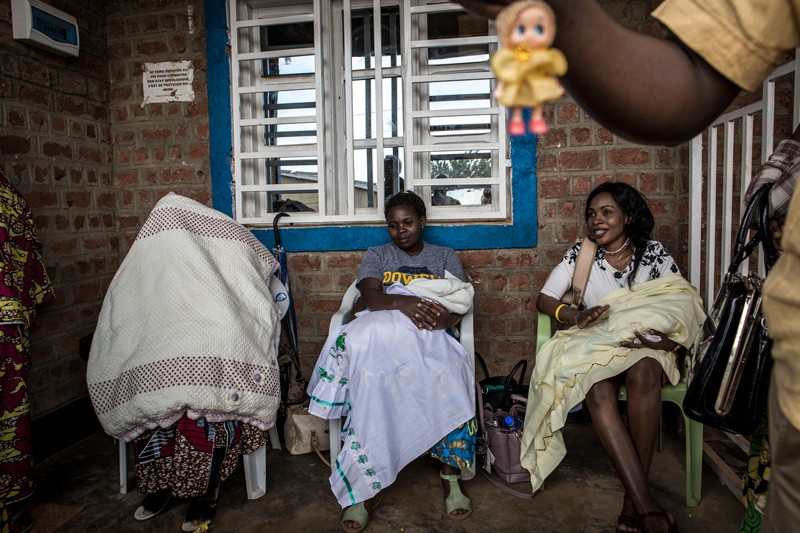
(617, 252)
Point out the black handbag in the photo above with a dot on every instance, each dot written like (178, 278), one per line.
(497, 390)
(731, 362)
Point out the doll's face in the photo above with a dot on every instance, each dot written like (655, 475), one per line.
(534, 27)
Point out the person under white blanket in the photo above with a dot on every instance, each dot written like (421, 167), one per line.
(404, 383)
(183, 361)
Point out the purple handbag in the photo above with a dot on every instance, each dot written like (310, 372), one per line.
(503, 445)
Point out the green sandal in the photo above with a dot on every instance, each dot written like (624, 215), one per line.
(358, 514)
(456, 500)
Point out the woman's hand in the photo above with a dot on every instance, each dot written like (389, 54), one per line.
(587, 316)
(425, 314)
(655, 340)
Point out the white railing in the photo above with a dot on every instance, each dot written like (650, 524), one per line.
(721, 167)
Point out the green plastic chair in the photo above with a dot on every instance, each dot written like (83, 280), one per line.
(669, 393)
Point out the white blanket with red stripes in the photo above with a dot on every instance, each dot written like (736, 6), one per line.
(187, 325)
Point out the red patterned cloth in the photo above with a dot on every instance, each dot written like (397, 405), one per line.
(24, 284)
(192, 457)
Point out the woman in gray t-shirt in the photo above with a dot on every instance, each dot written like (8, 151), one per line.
(405, 258)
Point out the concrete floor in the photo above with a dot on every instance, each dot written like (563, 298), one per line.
(583, 494)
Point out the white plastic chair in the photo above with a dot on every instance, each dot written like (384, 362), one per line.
(344, 315)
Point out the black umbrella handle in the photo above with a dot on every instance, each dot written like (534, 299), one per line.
(275, 227)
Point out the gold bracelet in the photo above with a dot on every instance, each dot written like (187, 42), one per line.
(676, 349)
(556, 313)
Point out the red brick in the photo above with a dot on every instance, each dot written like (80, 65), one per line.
(475, 258)
(497, 305)
(51, 149)
(58, 124)
(121, 94)
(553, 188)
(580, 136)
(33, 95)
(71, 105)
(91, 245)
(78, 199)
(514, 259)
(86, 154)
(304, 262)
(496, 282)
(496, 327)
(604, 136)
(344, 261)
(15, 117)
(628, 157)
(581, 160)
(156, 134)
(141, 155)
(176, 175)
(86, 292)
(555, 138)
(150, 48)
(14, 144)
(567, 112)
(648, 184)
(519, 282)
(62, 247)
(198, 152)
(320, 305)
(126, 178)
(106, 200)
(76, 175)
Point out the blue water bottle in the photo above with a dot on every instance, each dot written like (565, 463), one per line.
(512, 422)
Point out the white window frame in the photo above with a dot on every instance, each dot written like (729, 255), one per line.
(415, 140)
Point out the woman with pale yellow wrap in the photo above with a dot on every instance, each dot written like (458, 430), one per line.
(620, 337)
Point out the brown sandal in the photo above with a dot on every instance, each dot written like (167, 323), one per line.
(629, 523)
(672, 525)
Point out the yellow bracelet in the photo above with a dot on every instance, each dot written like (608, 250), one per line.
(559, 309)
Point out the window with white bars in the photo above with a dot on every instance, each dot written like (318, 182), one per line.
(326, 127)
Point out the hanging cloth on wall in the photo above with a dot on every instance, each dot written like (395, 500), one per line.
(23, 285)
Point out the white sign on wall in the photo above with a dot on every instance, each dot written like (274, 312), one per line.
(168, 82)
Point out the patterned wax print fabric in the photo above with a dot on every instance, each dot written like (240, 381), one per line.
(457, 448)
(755, 481)
(656, 262)
(192, 457)
(24, 285)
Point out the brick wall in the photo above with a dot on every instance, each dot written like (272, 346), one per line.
(92, 161)
(55, 146)
(158, 147)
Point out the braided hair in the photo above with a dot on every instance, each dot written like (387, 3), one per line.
(408, 199)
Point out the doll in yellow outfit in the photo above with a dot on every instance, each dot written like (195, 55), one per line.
(526, 67)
